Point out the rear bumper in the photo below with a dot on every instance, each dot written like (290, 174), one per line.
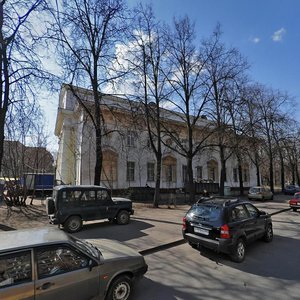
(220, 245)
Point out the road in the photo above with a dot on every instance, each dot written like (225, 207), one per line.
(270, 271)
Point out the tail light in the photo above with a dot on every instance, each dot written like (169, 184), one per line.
(184, 223)
(225, 232)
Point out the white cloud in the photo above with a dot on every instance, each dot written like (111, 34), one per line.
(255, 40)
(278, 35)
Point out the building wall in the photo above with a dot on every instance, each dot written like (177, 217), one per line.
(76, 158)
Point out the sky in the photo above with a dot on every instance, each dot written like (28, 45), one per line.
(266, 32)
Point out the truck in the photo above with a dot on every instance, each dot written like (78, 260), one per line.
(38, 183)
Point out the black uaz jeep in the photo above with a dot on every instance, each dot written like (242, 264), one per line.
(70, 205)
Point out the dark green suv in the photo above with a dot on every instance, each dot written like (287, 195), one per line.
(71, 205)
(226, 225)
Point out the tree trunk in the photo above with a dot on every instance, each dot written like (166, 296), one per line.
(241, 179)
(156, 198)
(223, 168)
(191, 180)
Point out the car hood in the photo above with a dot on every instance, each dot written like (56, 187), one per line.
(111, 249)
(120, 200)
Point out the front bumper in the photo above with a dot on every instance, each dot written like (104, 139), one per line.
(140, 272)
(219, 245)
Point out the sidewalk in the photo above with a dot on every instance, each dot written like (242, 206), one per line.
(149, 227)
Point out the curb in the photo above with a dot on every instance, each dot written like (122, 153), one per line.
(162, 247)
(6, 228)
(280, 211)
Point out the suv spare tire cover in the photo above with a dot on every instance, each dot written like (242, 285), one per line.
(50, 206)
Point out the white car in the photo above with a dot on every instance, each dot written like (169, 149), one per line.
(260, 193)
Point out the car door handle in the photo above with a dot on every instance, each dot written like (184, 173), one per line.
(45, 286)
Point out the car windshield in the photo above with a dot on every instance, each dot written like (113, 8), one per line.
(208, 212)
(87, 247)
(255, 190)
(297, 196)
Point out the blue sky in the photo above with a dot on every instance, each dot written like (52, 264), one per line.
(267, 33)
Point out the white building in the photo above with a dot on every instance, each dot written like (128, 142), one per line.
(128, 159)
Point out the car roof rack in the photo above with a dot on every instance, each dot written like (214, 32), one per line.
(230, 201)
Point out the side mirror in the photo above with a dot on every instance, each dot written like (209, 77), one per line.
(262, 213)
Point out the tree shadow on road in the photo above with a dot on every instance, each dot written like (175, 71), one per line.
(279, 259)
(148, 289)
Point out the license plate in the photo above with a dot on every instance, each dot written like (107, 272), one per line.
(200, 230)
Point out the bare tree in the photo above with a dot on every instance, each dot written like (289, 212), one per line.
(188, 98)
(224, 68)
(86, 32)
(146, 60)
(19, 59)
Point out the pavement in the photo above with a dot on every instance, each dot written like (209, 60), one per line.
(150, 230)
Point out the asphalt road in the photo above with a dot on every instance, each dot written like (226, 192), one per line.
(270, 271)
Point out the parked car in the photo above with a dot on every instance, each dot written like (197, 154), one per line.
(295, 202)
(70, 205)
(45, 263)
(260, 193)
(291, 189)
(226, 225)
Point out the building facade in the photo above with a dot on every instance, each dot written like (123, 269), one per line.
(128, 160)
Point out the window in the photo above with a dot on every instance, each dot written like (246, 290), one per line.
(253, 212)
(102, 195)
(235, 174)
(15, 269)
(150, 171)
(238, 213)
(59, 260)
(245, 175)
(130, 170)
(184, 173)
(170, 173)
(199, 172)
(131, 135)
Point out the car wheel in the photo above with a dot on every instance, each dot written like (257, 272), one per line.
(123, 217)
(238, 254)
(73, 224)
(120, 289)
(294, 209)
(268, 236)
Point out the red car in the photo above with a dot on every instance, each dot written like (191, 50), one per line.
(295, 202)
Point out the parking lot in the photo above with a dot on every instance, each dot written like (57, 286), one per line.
(176, 271)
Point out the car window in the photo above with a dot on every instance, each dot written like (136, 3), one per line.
(253, 211)
(59, 260)
(238, 213)
(207, 212)
(102, 195)
(297, 196)
(15, 269)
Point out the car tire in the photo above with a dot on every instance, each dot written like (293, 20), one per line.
(73, 224)
(294, 209)
(120, 289)
(268, 236)
(239, 252)
(123, 217)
